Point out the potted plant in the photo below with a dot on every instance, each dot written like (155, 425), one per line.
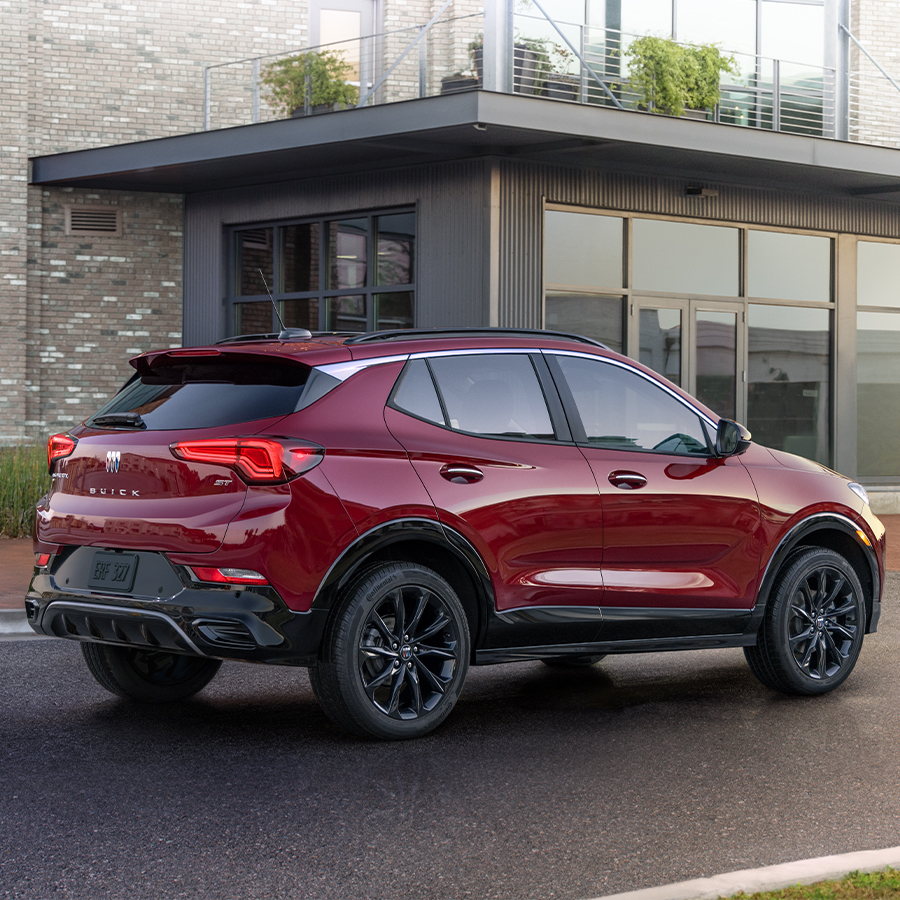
(670, 78)
(531, 64)
(315, 81)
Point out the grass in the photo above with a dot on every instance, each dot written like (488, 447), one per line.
(23, 480)
(883, 885)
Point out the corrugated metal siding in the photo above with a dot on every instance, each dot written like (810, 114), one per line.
(450, 236)
(525, 185)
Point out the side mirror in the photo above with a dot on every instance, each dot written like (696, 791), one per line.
(731, 438)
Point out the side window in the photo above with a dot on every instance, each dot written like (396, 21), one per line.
(620, 409)
(493, 395)
(416, 394)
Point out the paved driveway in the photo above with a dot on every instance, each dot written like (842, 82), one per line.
(542, 784)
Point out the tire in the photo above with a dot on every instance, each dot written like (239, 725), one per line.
(375, 676)
(151, 676)
(813, 628)
(573, 662)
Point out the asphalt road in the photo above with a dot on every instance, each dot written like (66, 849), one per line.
(542, 784)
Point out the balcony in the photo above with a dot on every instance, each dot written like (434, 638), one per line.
(527, 53)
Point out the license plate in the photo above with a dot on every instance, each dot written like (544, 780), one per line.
(112, 571)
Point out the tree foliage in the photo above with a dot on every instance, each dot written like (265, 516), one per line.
(670, 77)
(316, 78)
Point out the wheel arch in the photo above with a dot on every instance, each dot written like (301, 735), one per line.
(424, 541)
(833, 532)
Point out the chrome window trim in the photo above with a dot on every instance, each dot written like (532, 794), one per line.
(614, 362)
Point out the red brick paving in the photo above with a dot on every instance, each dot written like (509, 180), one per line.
(17, 561)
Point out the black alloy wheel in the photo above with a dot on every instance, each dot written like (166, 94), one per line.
(152, 676)
(396, 654)
(813, 631)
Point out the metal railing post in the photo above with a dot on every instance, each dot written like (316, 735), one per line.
(423, 65)
(776, 95)
(255, 112)
(497, 57)
(206, 81)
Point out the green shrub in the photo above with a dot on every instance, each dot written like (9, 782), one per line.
(318, 77)
(670, 77)
(23, 481)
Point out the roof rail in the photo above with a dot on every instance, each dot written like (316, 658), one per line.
(420, 333)
(289, 334)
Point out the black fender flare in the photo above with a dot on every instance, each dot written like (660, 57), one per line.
(795, 538)
(396, 531)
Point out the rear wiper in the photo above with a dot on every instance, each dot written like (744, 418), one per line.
(130, 420)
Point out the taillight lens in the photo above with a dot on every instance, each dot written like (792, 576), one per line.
(228, 576)
(41, 559)
(256, 460)
(58, 447)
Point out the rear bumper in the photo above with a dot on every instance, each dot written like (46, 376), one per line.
(251, 624)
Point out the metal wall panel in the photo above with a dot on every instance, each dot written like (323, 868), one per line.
(451, 243)
(525, 186)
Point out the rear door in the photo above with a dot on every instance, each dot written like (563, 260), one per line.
(492, 449)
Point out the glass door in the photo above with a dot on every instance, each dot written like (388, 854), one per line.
(698, 345)
(347, 25)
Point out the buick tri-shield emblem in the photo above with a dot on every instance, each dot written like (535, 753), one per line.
(113, 458)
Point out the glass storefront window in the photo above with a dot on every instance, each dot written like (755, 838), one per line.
(347, 253)
(583, 249)
(684, 258)
(793, 32)
(300, 257)
(594, 315)
(878, 274)
(646, 17)
(877, 394)
(346, 313)
(731, 24)
(254, 317)
(716, 343)
(255, 261)
(660, 342)
(788, 403)
(396, 248)
(393, 311)
(301, 314)
(789, 266)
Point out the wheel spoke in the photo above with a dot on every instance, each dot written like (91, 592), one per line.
(820, 668)
(394, 705)
(803, 636)
(374, 650)
(802, 612)
(848, 607)
(417, 616)
(416, 690)
(435, 651)
(835, 650)
(441, 623)
(380, 624)
(400, 614)
(833, 593)
(379, 679)
(848, 631)
(431, 678)
(821, 582)
(804, 663)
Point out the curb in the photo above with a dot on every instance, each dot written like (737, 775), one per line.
(768, 878)
(14, 626)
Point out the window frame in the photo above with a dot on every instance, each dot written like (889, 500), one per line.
(369, 291)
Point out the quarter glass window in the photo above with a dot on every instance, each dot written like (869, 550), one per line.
(493, 395)
(622, 410)
(416, 393)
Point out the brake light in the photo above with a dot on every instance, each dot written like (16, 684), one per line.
(228, 576)
(41, 559)
(257, 460)
(58, 447)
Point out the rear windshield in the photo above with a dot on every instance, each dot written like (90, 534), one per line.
(207, 394)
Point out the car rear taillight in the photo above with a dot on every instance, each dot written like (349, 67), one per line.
(228, 576)
(256, 460)
(58, 447)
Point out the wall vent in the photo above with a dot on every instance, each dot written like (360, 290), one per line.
(93, 220)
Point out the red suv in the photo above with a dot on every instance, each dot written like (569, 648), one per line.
(389, 508)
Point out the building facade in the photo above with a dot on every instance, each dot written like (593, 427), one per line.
(750, 257)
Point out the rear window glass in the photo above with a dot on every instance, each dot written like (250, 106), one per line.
(212, 393)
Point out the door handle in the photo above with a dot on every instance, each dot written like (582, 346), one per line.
(627, 481)
(459, 473)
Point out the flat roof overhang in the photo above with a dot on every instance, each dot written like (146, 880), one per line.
(478, 124)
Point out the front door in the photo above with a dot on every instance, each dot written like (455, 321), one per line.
(346, 27)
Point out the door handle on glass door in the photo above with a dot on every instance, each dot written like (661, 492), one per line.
(459, 473)
(627, 481)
